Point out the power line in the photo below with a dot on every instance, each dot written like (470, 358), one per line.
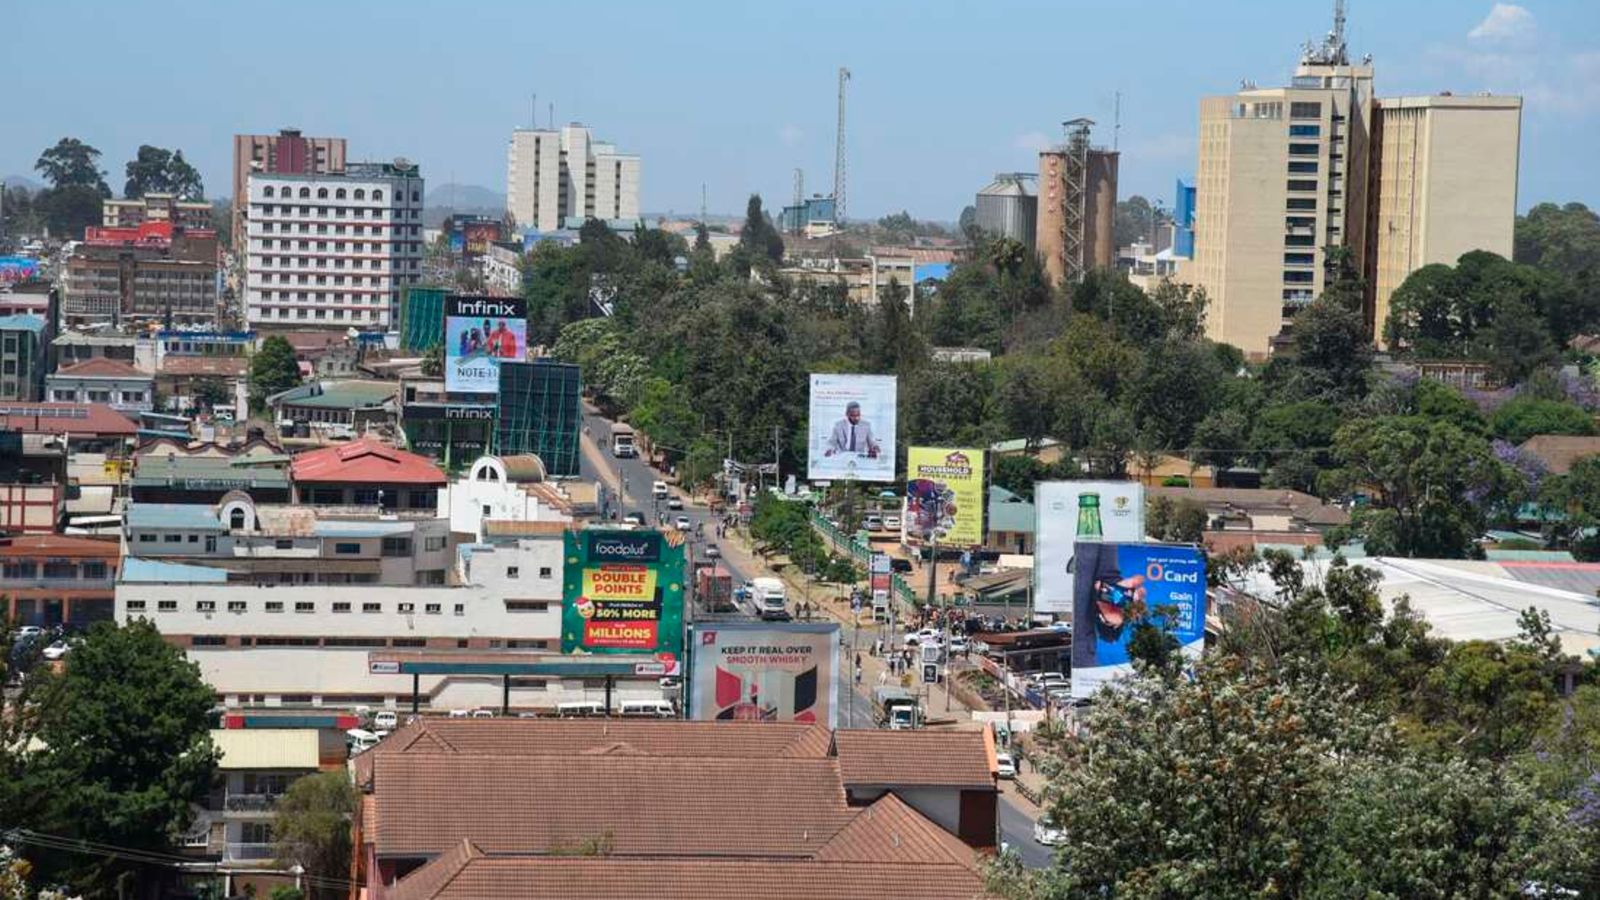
(144, 857)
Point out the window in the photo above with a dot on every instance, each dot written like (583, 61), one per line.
(283, 544)
(1299, 277)
(424, 499)
(237, 606)
(274, 606)
(1305, 150)
(20, 570)
(366, 497)
(1309, 131)
(436, 542)
(372, 607)
(1302, 203)
(346, 548)
(208, 640)
(94, 570)
(305, 606)
(1299, 240)
(396, 546)
(1303, 167)
(544, 571)
(1298, 259)
(409, 642)
(512, 571)
(205, 606)
(408, 608)
(1305, 110)
(135, 606)
(172, 539)
(354, 642)
(341, 607)
(527, 606)
(377, 195)
(515, 644)
(58, 569)
(267, 192)
(1302, 184)
(461, 609)
(194, 538)
(433, 609)
(166, 606)
(430, 577)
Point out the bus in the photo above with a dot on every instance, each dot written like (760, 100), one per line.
(622, 445)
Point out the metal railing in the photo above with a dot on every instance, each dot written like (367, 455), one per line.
(250, 802)
(251, 851)
(859, 551)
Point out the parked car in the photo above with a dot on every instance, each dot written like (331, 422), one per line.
(483, 714)
(925, 636)
(360, 740)
(1005, 766)
(959, 644)
(891, 522)
(28, 633)
(57, 650)
(385, 719)
(459, 713)
(674, 503)
(872, 523)
(1047, 833)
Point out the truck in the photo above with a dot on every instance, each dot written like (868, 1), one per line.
(622, 445)
(713, 585)
(896, 708)
(769, 597)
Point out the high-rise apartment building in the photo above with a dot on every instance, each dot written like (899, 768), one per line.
(1287, 173)
(332, 251)
(286, 153)
(152, 272)
(557, 179)
(1445, 172)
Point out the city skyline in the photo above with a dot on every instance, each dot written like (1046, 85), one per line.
(713, 97)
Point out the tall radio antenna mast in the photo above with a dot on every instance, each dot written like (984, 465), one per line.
(838, 156)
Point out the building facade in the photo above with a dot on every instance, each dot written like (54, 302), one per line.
(52, 579)
(540, 412)
(154, 271)
(288, 153)
(135, 211)
(23, 343)
(112, 382)
(333, 251)
(1445, 173)
(554, 177)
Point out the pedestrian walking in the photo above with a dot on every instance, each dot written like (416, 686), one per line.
(858, 674)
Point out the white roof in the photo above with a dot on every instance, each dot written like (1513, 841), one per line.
(266, 748)
(1466, 600)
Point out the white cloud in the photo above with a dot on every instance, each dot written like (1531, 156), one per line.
(1032, 140)
(790, 135)
(1505, 22)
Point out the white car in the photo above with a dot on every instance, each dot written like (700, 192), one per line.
(892, 523)
(483, 714)
(459, 714)
(1005, 766)
(674, 503)
(57, 650)
(28, 633)
(925, 636)
(385, 720)
(659, 490)
(682, 523)
(1045, 832)
(872, 523)
(959, 644)
(713, 552)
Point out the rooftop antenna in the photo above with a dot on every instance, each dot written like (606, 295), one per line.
(1332, 51)
(838, 155)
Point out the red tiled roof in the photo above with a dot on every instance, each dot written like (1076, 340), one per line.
(97, 419)
(220, 366)
(566, 737)
(467, 875)
(365, 461)
(58, 545)
(890, 831)
(1559, 451)
(914, 758)
(663, 806)
(100, 367)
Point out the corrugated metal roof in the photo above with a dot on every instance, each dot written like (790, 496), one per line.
(332, 528)
(1008, 512)
(266, 748)
(137, 570)
(34, 324)
(190, 516)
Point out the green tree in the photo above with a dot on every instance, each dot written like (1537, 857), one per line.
(210, 393)
(128, 750)
(1520, 418)
(311, 824)
(1563, 239)
(157, 170)
(433, 362)
(71, 208)
(1575, 496)
(759, 237)
(72, 163)
(273, 369)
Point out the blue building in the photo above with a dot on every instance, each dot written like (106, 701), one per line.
(1183, 221)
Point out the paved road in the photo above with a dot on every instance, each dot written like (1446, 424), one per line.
(1016, 830)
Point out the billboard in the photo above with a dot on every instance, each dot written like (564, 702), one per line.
(852, 427)
(623, 593)
(480, 333)
(1118, 585)
(944, 493)
(784, 672)
(1068, 511)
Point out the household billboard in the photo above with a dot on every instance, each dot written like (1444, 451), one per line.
(944, 494)
(480, 333)
(1069, 511)
(623, 593)
(852, 428)
(1121, 585)
(766, 672)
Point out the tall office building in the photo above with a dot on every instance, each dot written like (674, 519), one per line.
(557, 179)
(286, 153)
(332, 251)
(1286, 173)
(1445, 171)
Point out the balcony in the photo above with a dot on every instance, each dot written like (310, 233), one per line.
(250, 803)
(248, 852)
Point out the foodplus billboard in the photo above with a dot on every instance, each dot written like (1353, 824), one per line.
(766, 672)
(944, 494)
(480, 333)
(851, 435)
(623, 593)
(1069, 511)
(1120, 586)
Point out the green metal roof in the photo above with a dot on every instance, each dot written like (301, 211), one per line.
(343, 395)
(1008, 512)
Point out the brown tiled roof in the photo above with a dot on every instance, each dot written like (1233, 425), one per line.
(1259, 500)
(566, 737)
(56, 545)
(100, 367)
(889, 831)
(914, 758)
(96, 419)
(220, 366)
(490, 877)
(663, 806)
(1559, 451)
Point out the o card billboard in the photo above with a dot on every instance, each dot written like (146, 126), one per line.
(944, 493)
(852, 427)
(480, 333)
(623, 593)
(1120, 586)
(1069, 511)
(766, 672)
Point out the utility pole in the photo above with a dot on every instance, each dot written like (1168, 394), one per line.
(838, 157)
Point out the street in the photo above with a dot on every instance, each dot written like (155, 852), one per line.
(1016, 830)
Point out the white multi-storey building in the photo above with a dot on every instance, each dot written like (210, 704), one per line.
(332, 250)
(557, 179)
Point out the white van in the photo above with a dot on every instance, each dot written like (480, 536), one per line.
(385, 720)
(658, 490)
(580, 710)
(360, 740)
(648, 709)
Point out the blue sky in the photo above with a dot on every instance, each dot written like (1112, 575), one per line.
(738, 94)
